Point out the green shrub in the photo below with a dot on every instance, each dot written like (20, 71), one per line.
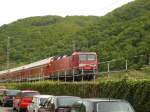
(137, 92)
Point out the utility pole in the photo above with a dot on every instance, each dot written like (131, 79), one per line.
(8, 52)
(74, 46)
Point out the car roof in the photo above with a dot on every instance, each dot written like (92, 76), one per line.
(101, 99)
(67, 96)
(13, 90)
(43, 96)
(26, 91)
(3, 89)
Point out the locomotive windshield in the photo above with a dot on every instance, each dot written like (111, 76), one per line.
(87, 57)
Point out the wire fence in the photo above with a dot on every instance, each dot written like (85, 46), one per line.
(104, 68)
(122, 64)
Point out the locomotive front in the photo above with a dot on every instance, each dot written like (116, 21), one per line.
(87, 63)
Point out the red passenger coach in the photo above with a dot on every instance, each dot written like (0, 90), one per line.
(80, 65)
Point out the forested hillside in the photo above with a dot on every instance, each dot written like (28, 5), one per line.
(37, 38)
(123, 33)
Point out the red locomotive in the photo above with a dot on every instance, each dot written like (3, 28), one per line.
(80, 65)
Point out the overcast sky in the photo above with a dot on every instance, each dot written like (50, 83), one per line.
(11, 10)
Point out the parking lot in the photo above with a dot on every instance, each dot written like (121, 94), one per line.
(5, 109)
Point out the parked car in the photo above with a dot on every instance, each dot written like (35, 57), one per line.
(7, 99)
(37, 101)
(105, 105)
(2, 94)
(23, 99)
(60, 104)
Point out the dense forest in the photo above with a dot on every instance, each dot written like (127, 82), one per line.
(122, 33)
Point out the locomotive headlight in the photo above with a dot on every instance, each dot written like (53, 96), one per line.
(93, 65)
(81, 65)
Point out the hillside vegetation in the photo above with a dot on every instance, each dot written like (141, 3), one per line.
(123, 33)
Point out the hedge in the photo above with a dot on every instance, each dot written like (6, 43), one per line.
(137, 92)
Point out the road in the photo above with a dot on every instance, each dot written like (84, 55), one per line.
(2, 109)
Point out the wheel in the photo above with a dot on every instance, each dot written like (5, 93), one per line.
(22, 110)
(0, 103)
(4, 105)
(14, 109)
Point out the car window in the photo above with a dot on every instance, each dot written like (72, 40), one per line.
(114, 107)
(42, 100)
(46, 102)
(29, 94)
(67, 101)
(11, 92)
(18, 94)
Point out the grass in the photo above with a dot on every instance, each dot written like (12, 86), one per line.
(143, 73)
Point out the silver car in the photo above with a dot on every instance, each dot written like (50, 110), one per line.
(104, 105)
(61, 104)
(37, 101)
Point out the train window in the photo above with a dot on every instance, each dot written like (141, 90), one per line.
(91, 57)
(83, 57)
(87, 57)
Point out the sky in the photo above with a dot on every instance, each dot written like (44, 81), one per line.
(12, 10)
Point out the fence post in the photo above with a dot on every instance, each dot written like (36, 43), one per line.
(94, 74)
(82, 74)
(58, 77)
(94, 78)
(108, 69)
(149, 59)
(42, 75)
(126, 65)
(73, 75)
(65, 75)
(52, 76)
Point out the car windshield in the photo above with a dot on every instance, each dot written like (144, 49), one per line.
(87, 57)
(68, 101)
(30, 94)
(43, 100)
(12, 92)
(114, 107)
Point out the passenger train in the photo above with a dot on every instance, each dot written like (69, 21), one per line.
(78, 66)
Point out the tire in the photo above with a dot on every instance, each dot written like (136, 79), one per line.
(0, 103)
(14, 109)
(22, 110)
(4, 105)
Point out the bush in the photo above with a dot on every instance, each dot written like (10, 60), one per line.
(137, 92)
